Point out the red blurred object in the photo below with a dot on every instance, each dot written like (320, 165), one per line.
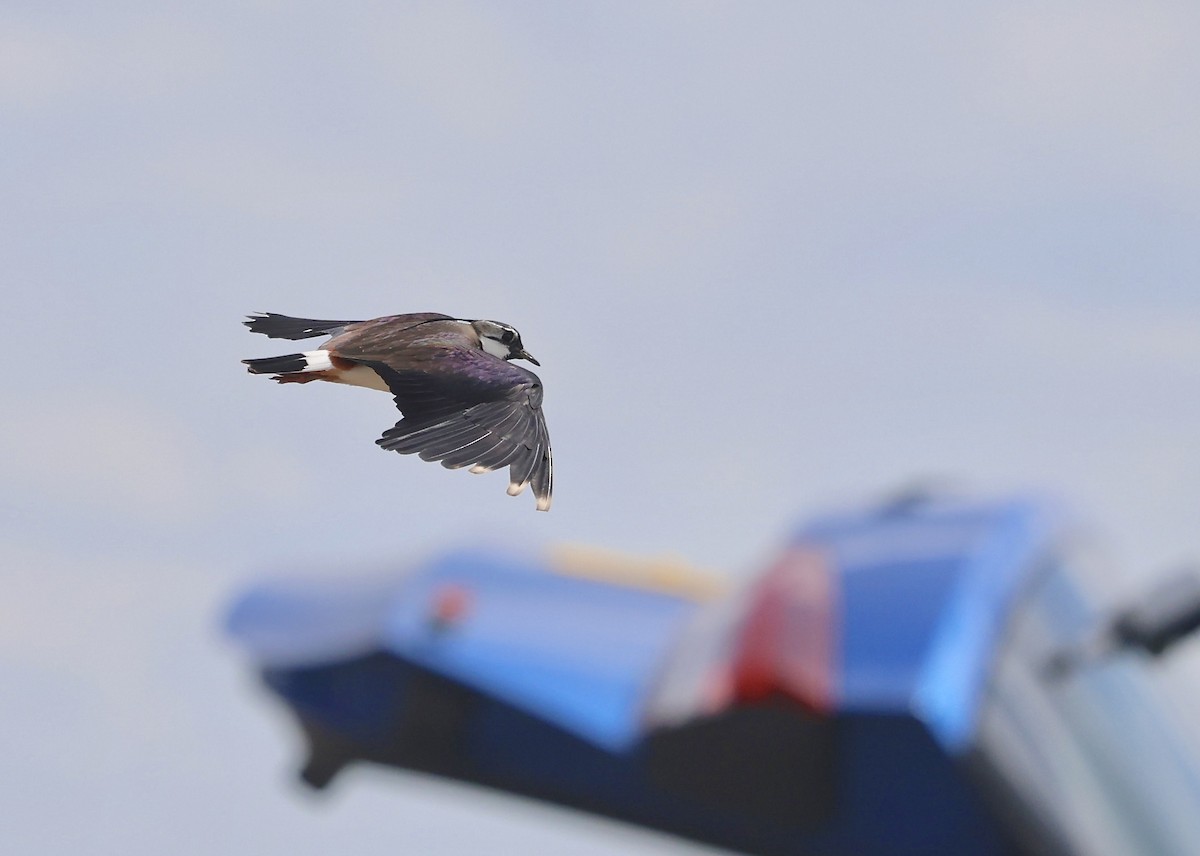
(451, 604)
(786, 646)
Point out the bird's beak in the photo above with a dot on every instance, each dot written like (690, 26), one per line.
(525, 355)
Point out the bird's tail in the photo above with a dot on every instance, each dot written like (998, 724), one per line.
(284, 327)
(292, 368)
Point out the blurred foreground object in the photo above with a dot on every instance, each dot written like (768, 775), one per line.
(880, 688)
(1164, 616)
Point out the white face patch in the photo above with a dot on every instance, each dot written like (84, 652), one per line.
(496, 349)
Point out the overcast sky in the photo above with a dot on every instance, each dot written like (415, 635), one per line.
(771, 257)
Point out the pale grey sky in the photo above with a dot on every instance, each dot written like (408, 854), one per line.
(771, 256)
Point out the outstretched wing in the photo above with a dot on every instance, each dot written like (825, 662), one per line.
(285, 327)
(352, 335)
(464, 407)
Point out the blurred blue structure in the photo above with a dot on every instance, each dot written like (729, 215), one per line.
(885, 687)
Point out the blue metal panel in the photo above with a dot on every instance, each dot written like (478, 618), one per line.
(889, 613)
(966, 645)
(308, 622)
(579, 653)
(925, 592)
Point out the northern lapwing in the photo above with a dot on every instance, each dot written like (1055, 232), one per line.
(463, 402)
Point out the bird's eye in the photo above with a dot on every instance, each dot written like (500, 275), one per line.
(507, 336)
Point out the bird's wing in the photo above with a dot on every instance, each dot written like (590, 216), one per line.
(464, 407)
(279, 326)
(378, 338)
(357, 334)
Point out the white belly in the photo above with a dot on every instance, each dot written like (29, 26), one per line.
(358, 376)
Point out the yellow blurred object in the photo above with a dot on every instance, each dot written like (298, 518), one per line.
(668, 574)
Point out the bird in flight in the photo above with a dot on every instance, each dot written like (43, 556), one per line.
(463, 402)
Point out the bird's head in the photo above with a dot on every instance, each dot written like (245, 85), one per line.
(502, 340)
